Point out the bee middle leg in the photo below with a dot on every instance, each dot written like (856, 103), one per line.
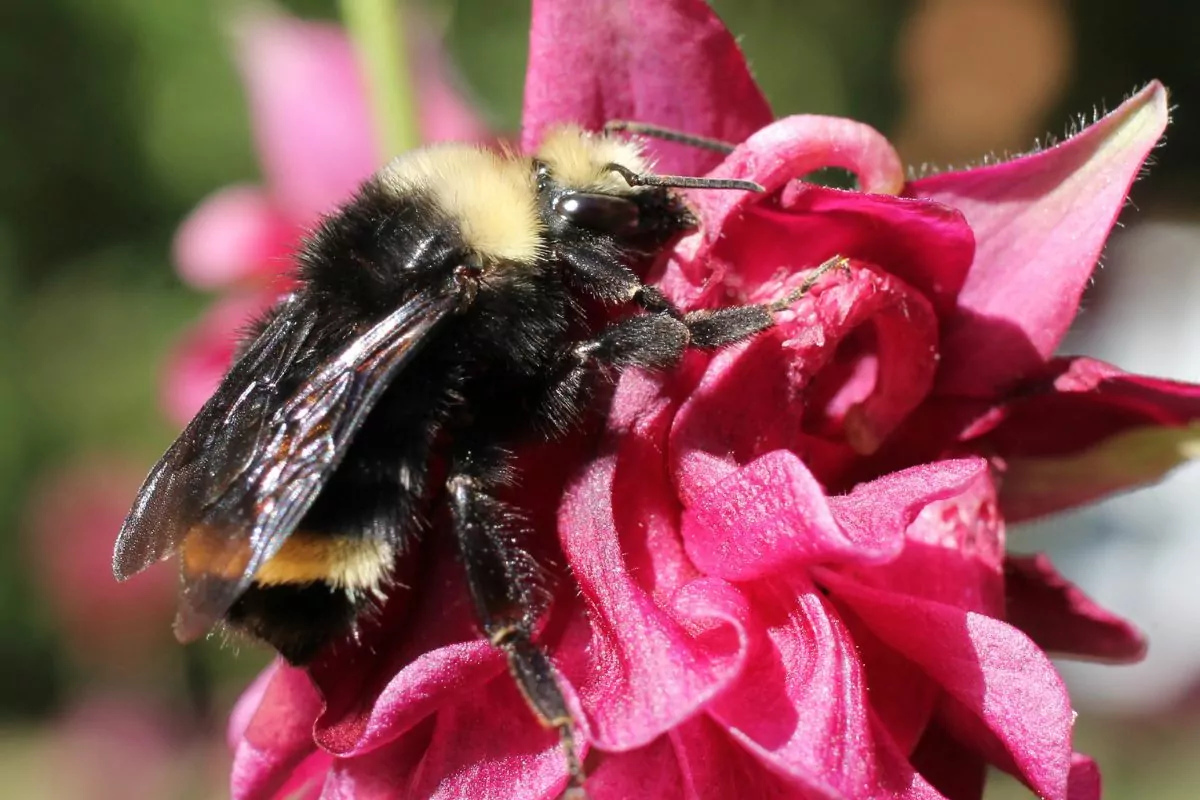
(503, 582)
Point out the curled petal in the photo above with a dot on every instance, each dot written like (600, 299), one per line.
(486, 745)
(902, 696)
(897, 777)
(1040, 222)
(592, 61)
(308, 109)
(927, 245)
(834, 376)
(1073, 403)
(650, 771)
(1061, 618)
(791, 148)
(430, 682)
(990, 669)
(234, 236)
(648, 668)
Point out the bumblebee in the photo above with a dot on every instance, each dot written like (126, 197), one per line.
(439, 321)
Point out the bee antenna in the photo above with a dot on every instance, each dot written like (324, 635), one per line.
(682, 181)
(667, 135)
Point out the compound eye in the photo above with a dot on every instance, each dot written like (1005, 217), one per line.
(599, 212)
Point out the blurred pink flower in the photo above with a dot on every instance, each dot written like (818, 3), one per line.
(315, 141)
(98, 740)
(72, 518)
(790, 555)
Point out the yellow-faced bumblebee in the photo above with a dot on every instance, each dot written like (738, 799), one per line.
(439, 319)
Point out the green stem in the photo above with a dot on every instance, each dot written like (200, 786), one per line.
(378, 35)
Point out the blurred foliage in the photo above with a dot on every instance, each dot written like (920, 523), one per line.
(120, 116)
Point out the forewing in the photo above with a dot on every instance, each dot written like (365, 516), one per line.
(216, 447)
(300, 446)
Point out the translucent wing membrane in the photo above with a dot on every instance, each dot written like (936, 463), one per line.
(235, 485)
(213, 450)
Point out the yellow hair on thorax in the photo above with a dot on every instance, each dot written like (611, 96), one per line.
(578, 159)
(491, 196)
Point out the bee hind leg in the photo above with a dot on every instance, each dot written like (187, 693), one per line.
(503, 581)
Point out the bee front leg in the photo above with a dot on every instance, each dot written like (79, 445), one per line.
(503, 581)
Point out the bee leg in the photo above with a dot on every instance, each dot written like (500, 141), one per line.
(503, 582)
(716, 328)
(650, 341)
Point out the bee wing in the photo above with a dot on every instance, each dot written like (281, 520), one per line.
(244, 473)
(212, 449)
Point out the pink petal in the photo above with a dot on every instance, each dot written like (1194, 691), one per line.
(309, 112)
(647, 516)
(991, 669)
(248, 703)
(902, 696)
(791, 148)
(491, 745)
(233, 236)
(422, 654)
(357, 722)
(772, 514)
(656, 643)
(806, 671)
(1040, 222)
(1061, 618)
(650, 771)
(1082, 429)
(832, 379)
(926, 244)
(277, 741)
(1085, 779)
(204, 355)
(381, 774)
(646, 668)
(898, 778)
(714, 767)
(668, 63)
(1074, 403)
(953, 552)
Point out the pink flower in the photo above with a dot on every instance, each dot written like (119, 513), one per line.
(787, 566)
(312, 127)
